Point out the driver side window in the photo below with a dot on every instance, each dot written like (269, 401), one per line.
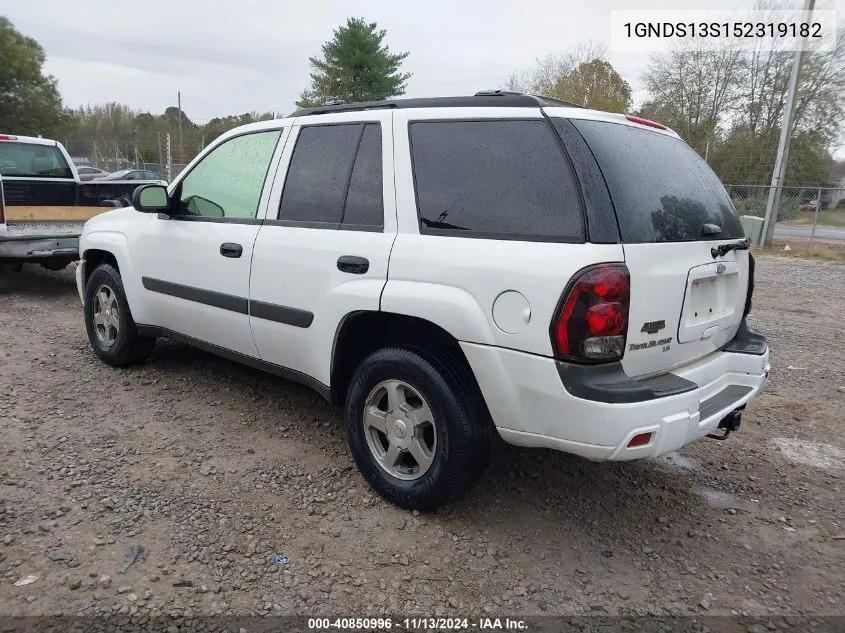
(227, 182)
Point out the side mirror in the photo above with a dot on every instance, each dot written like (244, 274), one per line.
(150, 198)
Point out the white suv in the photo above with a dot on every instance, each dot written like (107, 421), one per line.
(448, 269)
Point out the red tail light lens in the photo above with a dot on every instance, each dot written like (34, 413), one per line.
(2, 204)
(606, 319)
(592, 322)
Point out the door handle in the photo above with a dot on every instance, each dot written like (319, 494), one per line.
(230, 249)
(352, 264)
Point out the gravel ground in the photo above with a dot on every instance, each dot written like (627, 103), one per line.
(214, 469)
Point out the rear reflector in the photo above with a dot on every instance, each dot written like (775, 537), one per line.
(640, 440)
(7, 137)
(641, 121)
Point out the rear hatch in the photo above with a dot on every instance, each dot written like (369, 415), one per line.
(672, 211)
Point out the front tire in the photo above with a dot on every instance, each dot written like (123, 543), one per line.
(417, 427)
(112, 332)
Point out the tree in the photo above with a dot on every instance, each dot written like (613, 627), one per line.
(691, 91)
(548, 70)
(594, 84)
(729, 105)
(355, 66)
(30, 103)
(219, 125)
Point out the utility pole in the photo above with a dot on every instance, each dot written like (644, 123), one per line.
(785, 132)
(179, 100)
(169, 166)
(160, 153)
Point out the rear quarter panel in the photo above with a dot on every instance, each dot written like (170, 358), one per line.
(454, 282)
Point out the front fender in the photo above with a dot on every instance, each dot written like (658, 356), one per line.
(117, 244)
(453, 309)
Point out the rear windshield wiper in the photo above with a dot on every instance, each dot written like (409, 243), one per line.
(724, 249)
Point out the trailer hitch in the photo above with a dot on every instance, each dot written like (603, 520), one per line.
(728, 424)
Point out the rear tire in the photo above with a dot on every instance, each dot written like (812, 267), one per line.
(417, 426)
(112, 332)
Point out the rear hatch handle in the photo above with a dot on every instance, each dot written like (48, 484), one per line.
(723, 249)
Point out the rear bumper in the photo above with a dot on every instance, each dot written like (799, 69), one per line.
(39, 247)
(531, 407)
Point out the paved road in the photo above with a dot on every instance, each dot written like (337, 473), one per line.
(824, 232)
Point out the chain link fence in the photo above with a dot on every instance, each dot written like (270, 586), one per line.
(112, 165)
(803, 213)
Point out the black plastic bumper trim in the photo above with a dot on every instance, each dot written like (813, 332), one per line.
(747, 341)
(609, 383)
(725, 398)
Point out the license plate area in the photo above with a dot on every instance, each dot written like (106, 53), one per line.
(710, 302)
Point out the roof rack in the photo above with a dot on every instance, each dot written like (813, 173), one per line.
(483, 98)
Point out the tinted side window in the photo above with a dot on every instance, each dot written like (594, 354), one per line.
(364, 200)
(661, 189)
(227, 182)
(501, 178)
(315, 187)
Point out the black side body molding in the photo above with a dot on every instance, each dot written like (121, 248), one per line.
(256, 363)
(281, 314)
(197, 295)
(241, 305)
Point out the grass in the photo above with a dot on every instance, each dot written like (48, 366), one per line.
(829, 217)
(830, 251)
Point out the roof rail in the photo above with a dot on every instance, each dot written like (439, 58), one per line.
(483, 98)
(343, 106)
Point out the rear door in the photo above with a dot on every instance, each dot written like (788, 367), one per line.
(672, 211)
(322, 252)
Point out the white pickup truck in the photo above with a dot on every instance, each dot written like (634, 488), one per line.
(44, 203)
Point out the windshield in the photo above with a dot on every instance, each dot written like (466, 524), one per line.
(32, 160)
(661, 189)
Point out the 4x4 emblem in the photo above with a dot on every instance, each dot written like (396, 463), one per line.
(653, 327)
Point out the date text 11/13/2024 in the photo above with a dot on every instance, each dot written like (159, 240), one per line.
(417, 624)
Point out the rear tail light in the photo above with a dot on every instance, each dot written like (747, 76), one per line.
(8, 137)
(2, 204)
(646, 122)
(591, 323)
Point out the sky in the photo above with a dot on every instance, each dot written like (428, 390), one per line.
(252, 55)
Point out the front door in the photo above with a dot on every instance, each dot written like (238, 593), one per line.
(195, 263)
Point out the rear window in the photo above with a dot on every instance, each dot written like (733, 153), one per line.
(31, 160)
(661, 189)
(504, 179)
